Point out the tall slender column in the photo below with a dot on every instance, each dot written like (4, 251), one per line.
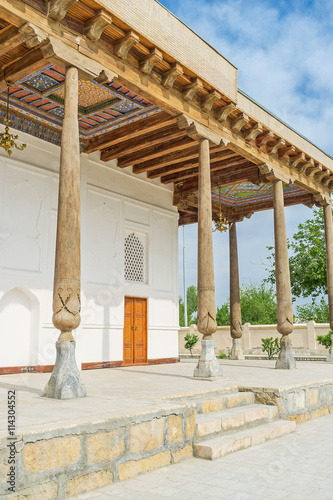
(329, 267)
(208, 365)
(65, 381)
(283, 288)
(236, 328)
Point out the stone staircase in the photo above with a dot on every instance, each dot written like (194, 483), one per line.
(226, 423)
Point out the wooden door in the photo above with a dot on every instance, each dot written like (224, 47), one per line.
(135, 331)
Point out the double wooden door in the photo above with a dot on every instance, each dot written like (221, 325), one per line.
(135, 331)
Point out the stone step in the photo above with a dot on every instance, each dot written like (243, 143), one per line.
(211, 449)
(234, 419)
(225, 401)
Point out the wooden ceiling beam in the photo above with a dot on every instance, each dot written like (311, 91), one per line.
(154, 152)
(141, 143)
(221, 165)
(10, 38)
(191, 162)
(130, 131)
(177, 157)
(31, 62)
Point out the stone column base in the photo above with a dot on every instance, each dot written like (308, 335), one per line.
(208, 366)
(65, 381)
(236, 350)
(329, 358)
(286, 360)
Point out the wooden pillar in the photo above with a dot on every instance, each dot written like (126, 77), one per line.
(236, 328)
(65, 380)
(208, 365)
(329, 266)
(283, 288)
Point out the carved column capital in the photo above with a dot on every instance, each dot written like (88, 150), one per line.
(198, 132)
(273, 174)
(322, 200)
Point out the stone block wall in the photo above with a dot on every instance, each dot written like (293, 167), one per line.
(298, 403)
(61, 463)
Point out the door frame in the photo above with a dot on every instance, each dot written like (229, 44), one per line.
(146, 330)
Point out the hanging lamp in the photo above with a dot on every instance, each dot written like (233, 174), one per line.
(221, 224)
(7, 140)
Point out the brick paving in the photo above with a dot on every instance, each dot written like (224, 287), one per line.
(296, 467)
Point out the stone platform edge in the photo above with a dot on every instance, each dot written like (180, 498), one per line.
(62, 463)
(299, 402)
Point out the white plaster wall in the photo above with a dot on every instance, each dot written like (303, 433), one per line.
(114, 202)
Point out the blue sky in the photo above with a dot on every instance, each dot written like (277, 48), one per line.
(283, 52)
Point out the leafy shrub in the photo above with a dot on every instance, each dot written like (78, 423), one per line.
(222, 355)
(325, 340)
(190, 340)
(270, 346)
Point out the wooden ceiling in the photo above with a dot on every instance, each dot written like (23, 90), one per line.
(156, 145)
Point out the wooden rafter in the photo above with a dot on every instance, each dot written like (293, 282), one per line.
(129, 132)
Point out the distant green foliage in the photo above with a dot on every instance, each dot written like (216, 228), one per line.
(307, 259)
(192, 306)
(223, 314)
(270, 346)
(316, 311)
(325, 340)
(222, 355)
(190, 340)
(258, 305)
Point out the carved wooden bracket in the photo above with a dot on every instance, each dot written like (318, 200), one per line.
(317, 168)
(209, 100)
(222, 113)
(57, 9)
(321, 200)
(94, 28)
(148, 63)
(198, 132)
(274, 150)
(272, 174)
(58, 52)
(238, 123)
(286, 154)
(191, 89)
(123, 46)
(297, 161)
(253, 133)
(169, 78)
(33, 36)
(265, 140)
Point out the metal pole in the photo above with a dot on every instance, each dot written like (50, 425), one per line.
(184, 279)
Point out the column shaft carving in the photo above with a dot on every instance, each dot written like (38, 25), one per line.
(66, 292)
(65, 381)
(283, 287)
(206, 286)
(208, 366)
(236, 329)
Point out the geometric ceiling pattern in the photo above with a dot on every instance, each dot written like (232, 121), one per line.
(248, 193)
(38, 102)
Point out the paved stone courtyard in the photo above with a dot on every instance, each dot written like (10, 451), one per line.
(122, 391)
(295, 467)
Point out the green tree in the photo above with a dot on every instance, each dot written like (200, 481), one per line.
(192, 306)
(307, 259)
(258, 305)
(223, 314)
(316, 311)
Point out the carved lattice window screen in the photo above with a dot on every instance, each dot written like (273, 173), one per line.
(134, 259)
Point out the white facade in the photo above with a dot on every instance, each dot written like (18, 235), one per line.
(114, 205)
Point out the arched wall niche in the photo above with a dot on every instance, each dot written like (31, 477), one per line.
(19, 328)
